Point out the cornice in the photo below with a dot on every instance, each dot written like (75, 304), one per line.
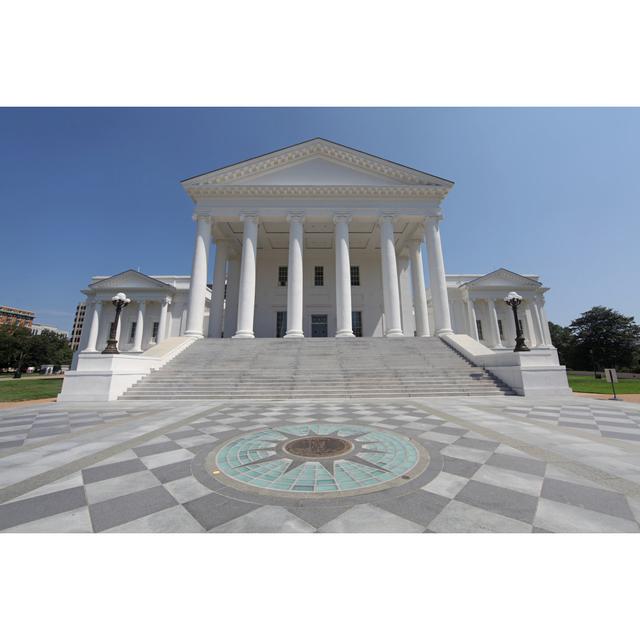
(315, 148)
(317, 191)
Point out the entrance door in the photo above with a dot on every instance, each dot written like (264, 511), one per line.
(319, 326)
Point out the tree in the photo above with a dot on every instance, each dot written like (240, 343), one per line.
(604, 338)
(564, 341)
(14, 343)
(18, 348)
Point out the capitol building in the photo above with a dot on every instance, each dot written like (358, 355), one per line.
(315, 241)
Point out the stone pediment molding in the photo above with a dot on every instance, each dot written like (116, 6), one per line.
(317, 191)
(316, 148)
(503, 277)
(130, 279)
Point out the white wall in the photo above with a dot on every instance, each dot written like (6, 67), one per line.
(271, 298)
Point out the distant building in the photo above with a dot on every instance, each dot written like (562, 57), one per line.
(16, 317)
(37, 329)
(78, 322)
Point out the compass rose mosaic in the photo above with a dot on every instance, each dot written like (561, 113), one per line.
(318, 459)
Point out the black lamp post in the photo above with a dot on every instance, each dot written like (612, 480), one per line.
(120, 301)
(514, 300)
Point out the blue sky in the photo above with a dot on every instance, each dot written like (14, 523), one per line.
(96, 191)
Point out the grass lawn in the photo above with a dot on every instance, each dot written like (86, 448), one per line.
(29, 389)
(586, 384)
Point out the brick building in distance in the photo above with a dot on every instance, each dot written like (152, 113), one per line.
(16, 317)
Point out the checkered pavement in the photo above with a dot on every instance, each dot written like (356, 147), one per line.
(483, 485)
(18, 429)
(622, 423)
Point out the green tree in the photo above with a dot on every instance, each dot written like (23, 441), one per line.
(565, 342)
(14, 345)
(604, 338)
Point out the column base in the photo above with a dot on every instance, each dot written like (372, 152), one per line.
(394, 333)
(243, 334)
(423, 335)
(444, 332)
(345, 334)
(194, 334)
(294, 334)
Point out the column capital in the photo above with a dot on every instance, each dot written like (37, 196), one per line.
(250, 216)
(342, 217)
(166, 300)
(201, 217)
(414, 243)
(296, 216)
(386, 217)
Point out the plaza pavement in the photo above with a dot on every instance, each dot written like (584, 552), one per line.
(497, 464)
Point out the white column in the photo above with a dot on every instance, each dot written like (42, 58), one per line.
(437, 281)
(162, 325)
(217, 294)
(544, 323)
(137, 337)
(406, 295)
(530, 335)
(473, 319)
(419, 291)
(94, 328)
(247, 293)
(198, 286)
(493, 322)
(231, 303)
(294, 276)
(344, 328)
(390, 292)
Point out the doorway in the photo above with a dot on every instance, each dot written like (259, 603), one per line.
(319, 325)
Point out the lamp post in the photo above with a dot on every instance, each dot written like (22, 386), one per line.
(514, 300)
(120, 301)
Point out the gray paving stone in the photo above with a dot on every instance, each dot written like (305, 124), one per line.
(601, 500)
(151, 449)
(105, 471)
(517, 463)
(317, 516)
(172, 520)
(267, 519)
(21, 511)
(446, 484)
(566, 518)
(186, 489)
(458, 517)
(117, 511)
(459, 467)
(75, 521)
(213, 510)
(173, 471)
(367, 518)
(476, 443)
(509, 479)
(119, 486)
(420, 507)
(512, 504)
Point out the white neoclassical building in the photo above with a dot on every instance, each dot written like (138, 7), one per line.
(320, 240)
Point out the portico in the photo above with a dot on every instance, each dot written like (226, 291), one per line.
(308, 242)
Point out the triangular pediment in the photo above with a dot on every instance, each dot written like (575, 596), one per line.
(130, 279)
(317, 162)
(503, 278)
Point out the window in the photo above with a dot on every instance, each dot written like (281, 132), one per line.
(281, 323)
(500, 330)
(132, 333)
(355, 276)
(154, 331)
(356, 323)
(318, 277)
(479, 327)
(282, 276)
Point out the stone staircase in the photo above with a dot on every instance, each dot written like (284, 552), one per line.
(318, 368)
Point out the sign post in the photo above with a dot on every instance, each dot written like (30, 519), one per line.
(612, 376)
